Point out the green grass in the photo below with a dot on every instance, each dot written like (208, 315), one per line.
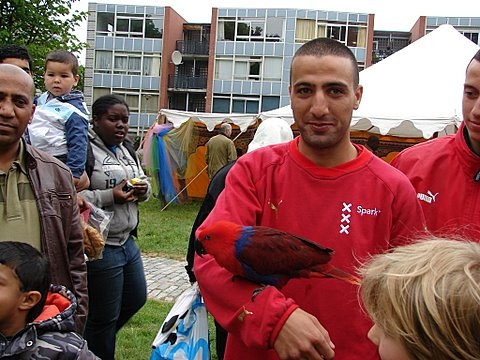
(166, 232)
(163, 233)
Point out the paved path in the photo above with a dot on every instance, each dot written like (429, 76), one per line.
(166, 278)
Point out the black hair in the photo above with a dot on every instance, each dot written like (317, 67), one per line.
(475, 57)
(31, 268)
(16, 52)
(325, 46)
(64, 57)
(103, 103)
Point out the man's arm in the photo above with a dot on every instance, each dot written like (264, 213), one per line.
(77, 266)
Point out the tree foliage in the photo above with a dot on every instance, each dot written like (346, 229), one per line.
(41, 26)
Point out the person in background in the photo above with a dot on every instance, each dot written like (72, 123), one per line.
(116, 283)
(60, 123)
(220, 150)
(373, 143)
(269, 132)
(17, 55)
(37, 319)
(445, 171)
(37, 198)
(315, 187)
(424, 299)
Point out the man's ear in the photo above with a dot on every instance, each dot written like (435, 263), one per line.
(30, 299)
(33, 111)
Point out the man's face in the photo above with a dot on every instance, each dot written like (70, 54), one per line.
(323, 98)
(16, 104)
(21, 63)
(471, 104)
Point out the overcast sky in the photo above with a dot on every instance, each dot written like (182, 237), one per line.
(389, 15)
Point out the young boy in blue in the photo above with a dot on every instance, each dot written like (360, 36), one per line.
(60, 123)
(36, 318)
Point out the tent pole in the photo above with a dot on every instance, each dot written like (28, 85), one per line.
(176, 196)
(191, 181)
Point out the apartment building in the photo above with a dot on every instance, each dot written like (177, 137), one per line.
(254, 48)
(125, 55)
(237, 63)
(468, 26)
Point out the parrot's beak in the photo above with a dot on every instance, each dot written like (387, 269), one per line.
(199, 249)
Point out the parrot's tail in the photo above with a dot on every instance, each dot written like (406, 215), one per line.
(334, 272)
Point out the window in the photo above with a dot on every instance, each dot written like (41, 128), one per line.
(472, 36)
(127, 64)
(272, 69)
(105, 23)
(130, 26)
(270, 103)
(97, 92)
(103, 61)
(226, 29)
(151, 65)
(357, 36)
(247, 68)
(154, 28)
(149, 103)
(245, 106)
(224, 69)
(305, 30)
(131, 99)
(337, 32)
(221, 105)
(274, 29)
(250, 30)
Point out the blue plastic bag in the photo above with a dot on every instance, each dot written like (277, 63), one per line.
(184, 333)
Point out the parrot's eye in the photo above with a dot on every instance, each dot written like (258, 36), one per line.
(207, 237)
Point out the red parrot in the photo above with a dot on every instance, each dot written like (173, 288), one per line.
(266, 255)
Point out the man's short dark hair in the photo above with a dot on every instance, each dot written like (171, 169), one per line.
(16, 52)
(31, 268)
(64, 57)
(475, 57)
(325, 46)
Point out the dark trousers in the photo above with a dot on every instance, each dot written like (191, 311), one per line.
(117, 290)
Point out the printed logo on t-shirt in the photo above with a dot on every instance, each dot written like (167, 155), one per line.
(429, 197)
(346, 215)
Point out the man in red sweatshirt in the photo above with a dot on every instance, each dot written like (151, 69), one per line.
(322, 187)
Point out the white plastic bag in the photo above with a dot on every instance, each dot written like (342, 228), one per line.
(184, 333)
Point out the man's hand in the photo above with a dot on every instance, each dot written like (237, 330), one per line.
(303, 337)
(82, 183)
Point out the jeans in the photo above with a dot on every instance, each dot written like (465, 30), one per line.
(117, 290)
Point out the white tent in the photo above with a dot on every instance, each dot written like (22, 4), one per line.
(415, 92)
(178, 117)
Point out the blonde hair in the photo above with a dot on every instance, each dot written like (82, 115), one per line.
(427, 295)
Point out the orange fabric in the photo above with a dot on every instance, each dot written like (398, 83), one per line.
(55, 304)
(196, 175)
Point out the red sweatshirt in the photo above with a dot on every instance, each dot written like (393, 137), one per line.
(446, 175)
(359, 208)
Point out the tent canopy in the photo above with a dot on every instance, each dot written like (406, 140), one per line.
(414, 92)
(178, 117)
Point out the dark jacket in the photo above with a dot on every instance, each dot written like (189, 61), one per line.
(61, 231)
(51, 338)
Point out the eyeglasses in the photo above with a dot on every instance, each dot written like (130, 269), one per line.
(27, 70)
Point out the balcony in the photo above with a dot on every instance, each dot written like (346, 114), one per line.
(187, 82)
(190, 47)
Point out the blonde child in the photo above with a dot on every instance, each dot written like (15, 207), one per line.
(424, 299)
